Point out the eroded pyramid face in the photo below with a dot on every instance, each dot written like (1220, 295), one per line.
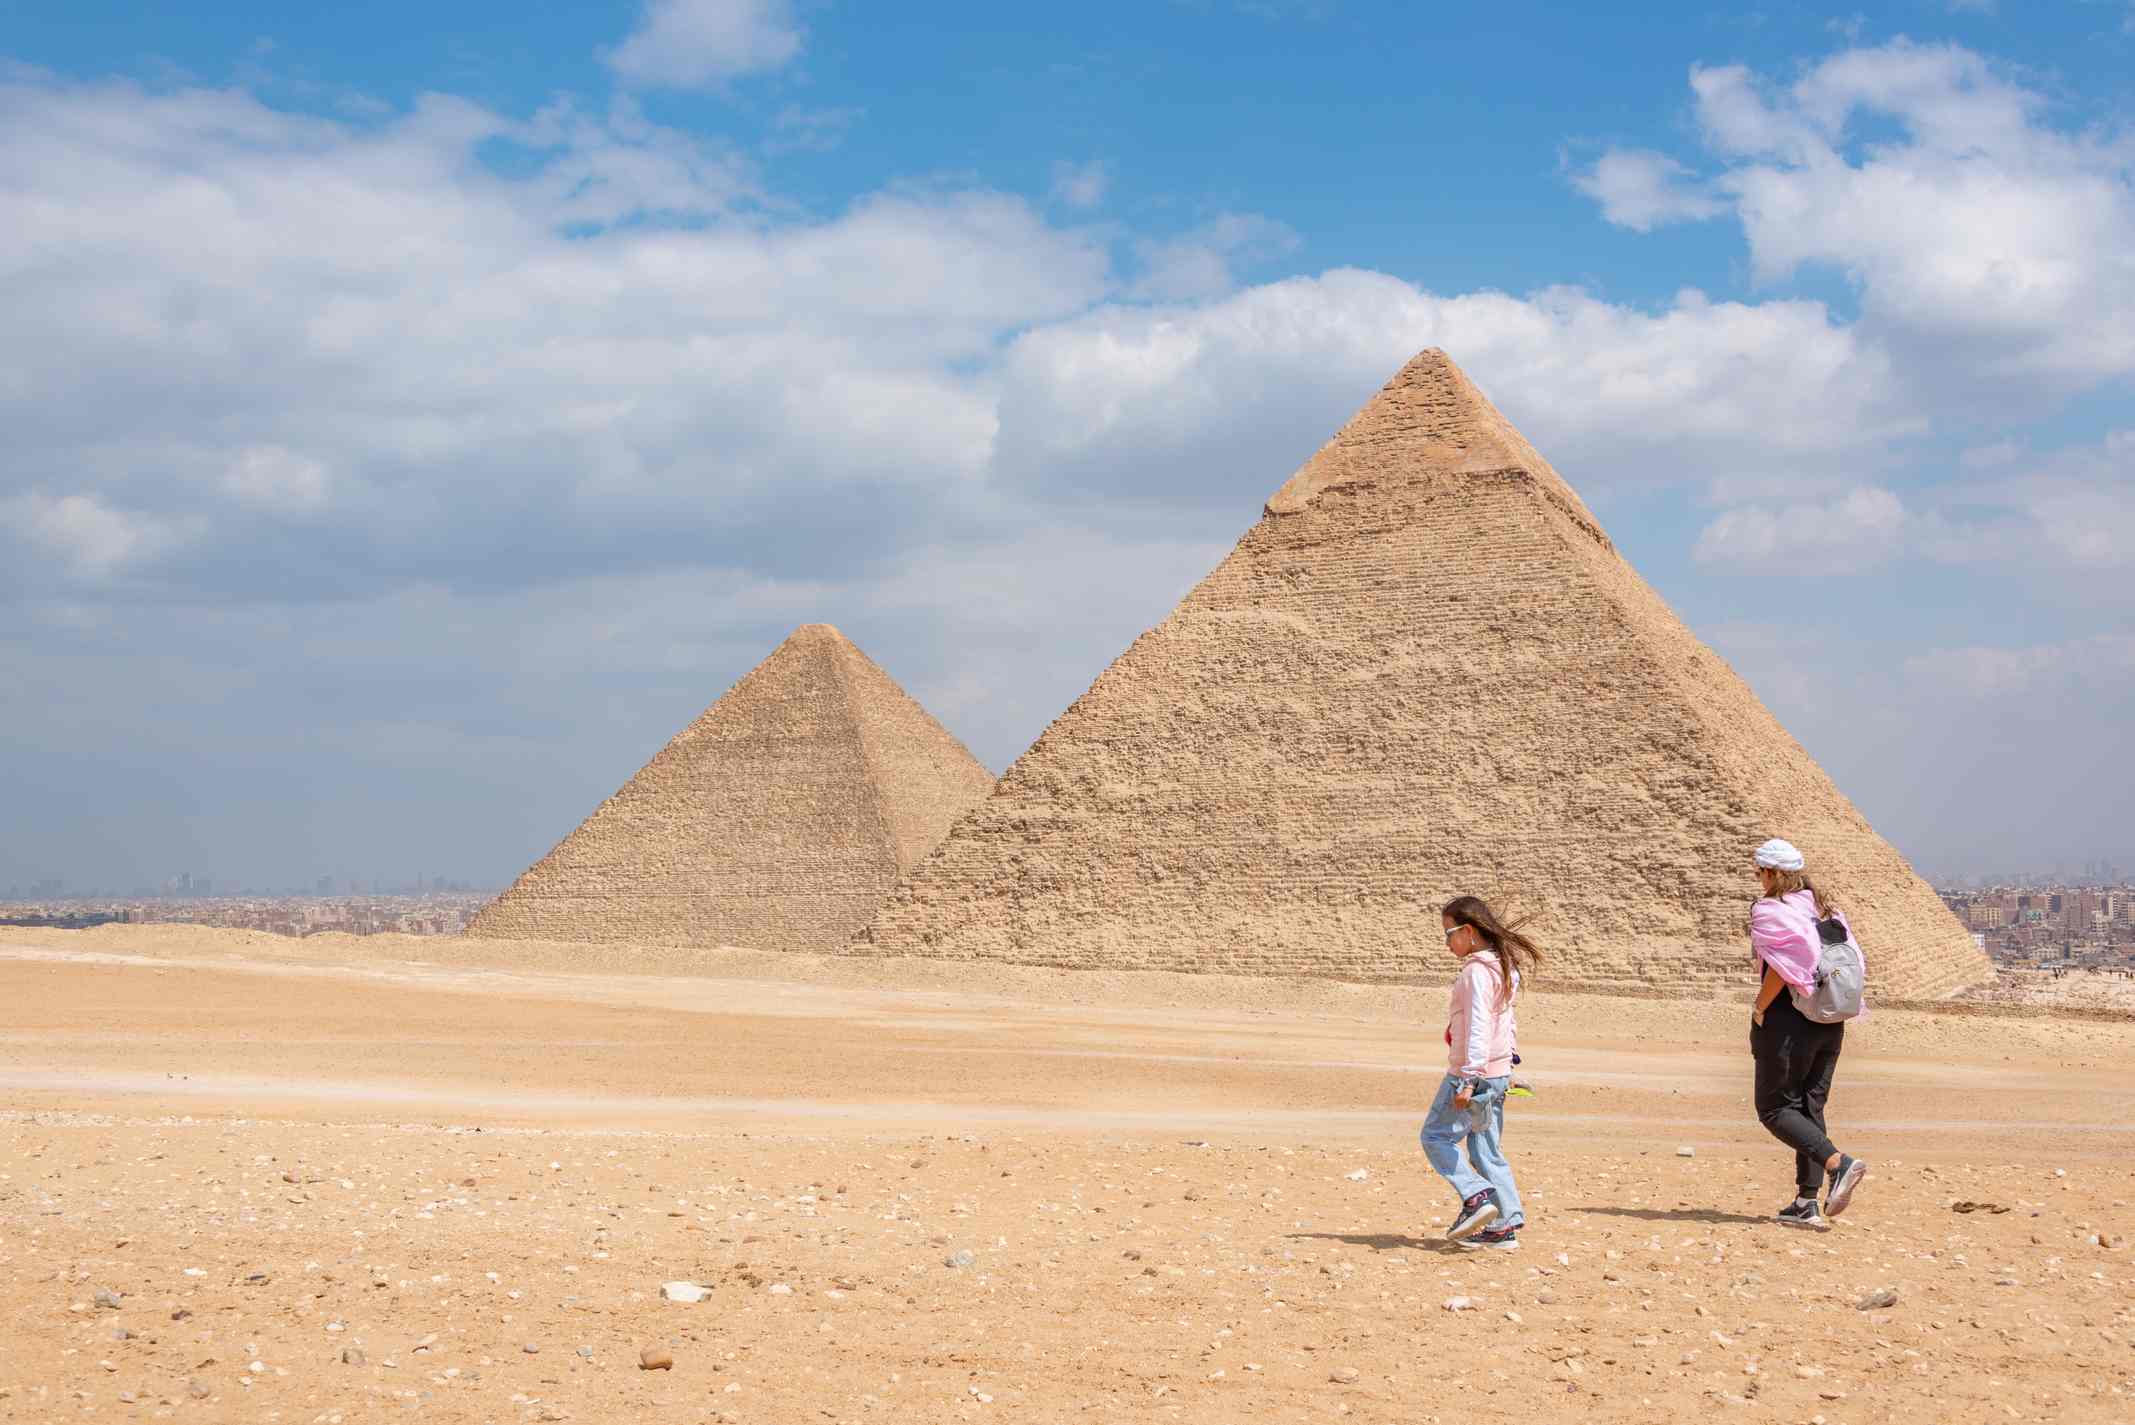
(1425, 672)
(778, 820)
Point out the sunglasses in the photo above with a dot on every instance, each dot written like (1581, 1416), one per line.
(1455, 931)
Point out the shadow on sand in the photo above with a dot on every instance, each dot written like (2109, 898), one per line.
(1383, 1241)
(1708, 1215)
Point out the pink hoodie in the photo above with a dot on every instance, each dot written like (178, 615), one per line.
(1480, 1027)
(1783, 935)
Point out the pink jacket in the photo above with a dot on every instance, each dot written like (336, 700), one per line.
(1480, 1027)
(1783, 935)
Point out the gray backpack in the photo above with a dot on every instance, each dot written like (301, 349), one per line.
(1841, 976)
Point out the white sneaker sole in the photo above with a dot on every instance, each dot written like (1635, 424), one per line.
(1473, 1244)
(1842, 1191)
(1484, 1216)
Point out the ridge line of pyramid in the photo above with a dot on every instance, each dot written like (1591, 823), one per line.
(844, 655)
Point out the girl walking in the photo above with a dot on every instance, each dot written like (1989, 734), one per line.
(1470, 1106)
(1796, 1056)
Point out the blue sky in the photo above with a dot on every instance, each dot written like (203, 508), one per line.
(420, 412)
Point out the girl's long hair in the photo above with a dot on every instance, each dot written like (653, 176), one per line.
(1786, 883)
(1515, 951)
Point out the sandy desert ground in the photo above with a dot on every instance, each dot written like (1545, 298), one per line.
(337, 1181)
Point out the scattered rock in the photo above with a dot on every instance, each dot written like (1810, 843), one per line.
(688, 1292)
(1343, 1375)
(198, 1389)
(1686, 1151)
(1877, 1300)
(961, 1257)
(655, 1358)
(1459, 1303)
(352, 1356)
(107, 1298)
(1360, 1175)
(531, 1348)
(586, 1351)
(781, 1289)
(1977, 1207)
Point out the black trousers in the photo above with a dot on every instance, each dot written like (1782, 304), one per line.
(1796, 1058)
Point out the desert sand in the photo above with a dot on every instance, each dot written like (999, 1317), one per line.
(336, 1180)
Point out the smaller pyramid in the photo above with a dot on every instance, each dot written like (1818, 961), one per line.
(778, 820)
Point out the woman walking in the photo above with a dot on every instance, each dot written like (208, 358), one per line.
(1470, 1106)
(1796, 1056)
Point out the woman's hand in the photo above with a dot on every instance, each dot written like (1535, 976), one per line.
(1757, 1018)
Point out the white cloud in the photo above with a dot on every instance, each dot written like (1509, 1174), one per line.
(273, 477)
(2070, 511)
(612, 356)
(1990, 245)
(85, 536)
(1200, 263)
(802, 130)
(1642, 190)
(1081, 185)
(2058, 519)
(1855, 533)
(695, 44)
(1983, 672)
(1221, 400)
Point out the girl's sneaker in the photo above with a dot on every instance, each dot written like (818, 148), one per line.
(1843, 1182)
(1503, 1239)
(1476, 1213)
(1802, 1212)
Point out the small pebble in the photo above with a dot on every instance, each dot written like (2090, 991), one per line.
(653, 1358)
(531, 1348)
(351, 1356)
(1343, 1375)
(962, 1257)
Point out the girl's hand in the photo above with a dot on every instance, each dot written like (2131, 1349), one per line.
(1757, 1018)
(1462, 1099)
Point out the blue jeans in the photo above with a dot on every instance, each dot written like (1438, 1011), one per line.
(1482, 1126)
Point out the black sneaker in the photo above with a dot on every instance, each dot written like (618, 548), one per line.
(1802, 1212)
(1502, 1239)
(1476, 1213)
(1843, 1182)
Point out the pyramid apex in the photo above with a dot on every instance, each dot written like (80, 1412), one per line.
(817, 633)
(1429, 420)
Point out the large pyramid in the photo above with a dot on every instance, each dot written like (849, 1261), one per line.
(778, 820)
(1426, 671)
